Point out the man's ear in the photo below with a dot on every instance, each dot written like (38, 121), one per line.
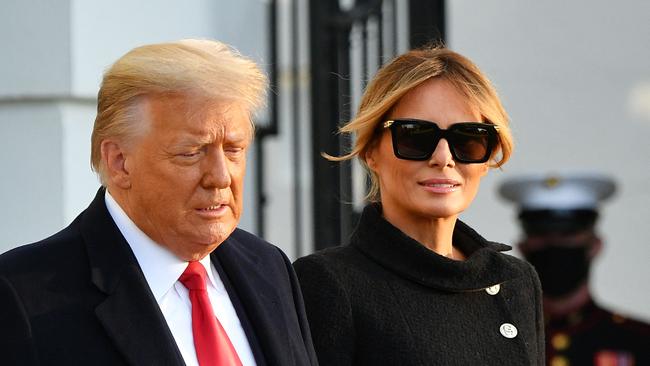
(596, 247)
(114, 158)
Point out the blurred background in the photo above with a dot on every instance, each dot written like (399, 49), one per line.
(574, 76)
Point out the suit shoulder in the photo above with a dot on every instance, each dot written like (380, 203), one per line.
(253, 241)
(249, 238)
(259, 247)
(52, 249)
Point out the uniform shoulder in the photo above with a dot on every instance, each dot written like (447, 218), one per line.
(629, 324)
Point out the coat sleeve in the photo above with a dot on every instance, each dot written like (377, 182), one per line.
(16, 345)
(300, 310)
(539, 317)
(328, 310)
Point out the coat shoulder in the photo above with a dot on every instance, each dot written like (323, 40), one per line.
(339, 254)
(335, 259)
(51, 251)
(257, 245)
(338, 268)
(523, 266)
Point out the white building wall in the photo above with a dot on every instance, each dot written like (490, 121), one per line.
(78, 182)
(30, 134)
(31, 183)
(35, 49)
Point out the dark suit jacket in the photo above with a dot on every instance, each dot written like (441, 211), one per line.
(80, 298)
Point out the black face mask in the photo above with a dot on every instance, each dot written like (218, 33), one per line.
(561, 268)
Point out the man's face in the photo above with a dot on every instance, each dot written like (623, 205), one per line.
(537, 242)
(562, 261)
(186, 173)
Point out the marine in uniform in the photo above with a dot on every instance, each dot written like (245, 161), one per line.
(558, 215)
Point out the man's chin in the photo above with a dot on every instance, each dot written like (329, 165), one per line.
(214, 235)
(197, 248)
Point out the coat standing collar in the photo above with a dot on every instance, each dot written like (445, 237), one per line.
(394, 250)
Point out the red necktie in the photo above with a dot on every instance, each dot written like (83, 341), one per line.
(213, 347)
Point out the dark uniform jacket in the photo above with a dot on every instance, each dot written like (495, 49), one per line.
(80, 298)
(387, 300)
(595, 336)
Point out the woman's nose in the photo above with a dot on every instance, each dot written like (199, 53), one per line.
(441, 156)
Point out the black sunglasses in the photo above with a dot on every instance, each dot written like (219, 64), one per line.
(469, 142)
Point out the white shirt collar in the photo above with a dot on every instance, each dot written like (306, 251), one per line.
(160, 266)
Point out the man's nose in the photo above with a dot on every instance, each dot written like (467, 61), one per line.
(216, 171)
(441, 156)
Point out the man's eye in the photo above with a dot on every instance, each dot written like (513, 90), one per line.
(190, 154)
(234, 150)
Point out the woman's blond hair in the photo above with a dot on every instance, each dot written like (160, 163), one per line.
(204, 68)
(405, 73)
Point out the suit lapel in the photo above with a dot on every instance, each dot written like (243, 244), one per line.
(259, 299)
(129, 314)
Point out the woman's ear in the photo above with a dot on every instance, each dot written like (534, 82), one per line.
(485, 168)
(115, 162)
(369, 156)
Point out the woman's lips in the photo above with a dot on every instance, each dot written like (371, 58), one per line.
(440, 185)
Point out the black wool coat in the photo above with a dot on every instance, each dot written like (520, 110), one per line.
(385, 299)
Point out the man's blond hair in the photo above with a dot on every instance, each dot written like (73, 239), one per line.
(207, 69)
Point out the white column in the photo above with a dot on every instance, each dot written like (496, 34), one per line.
(40, 145)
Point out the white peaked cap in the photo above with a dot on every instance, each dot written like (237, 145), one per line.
(558, 192)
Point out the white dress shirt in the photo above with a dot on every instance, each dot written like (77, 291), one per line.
(162, 269)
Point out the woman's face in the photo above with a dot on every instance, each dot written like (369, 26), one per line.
(440, 187)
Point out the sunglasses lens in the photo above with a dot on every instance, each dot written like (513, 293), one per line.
(471, 143)
(414, 140)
